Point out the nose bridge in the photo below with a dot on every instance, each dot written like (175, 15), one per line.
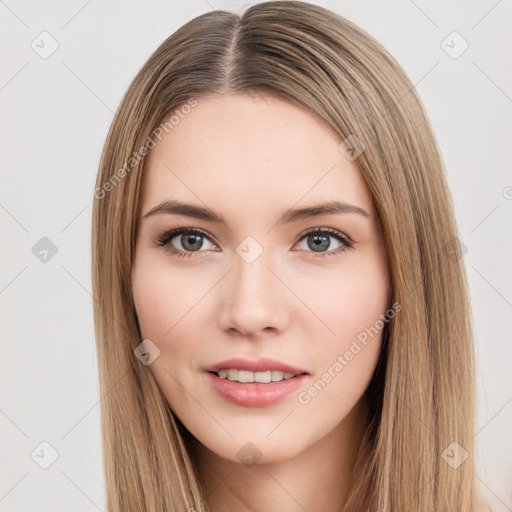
(252, 280)
(252, 296)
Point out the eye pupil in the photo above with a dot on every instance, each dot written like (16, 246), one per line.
(192, 242)
(319, 242)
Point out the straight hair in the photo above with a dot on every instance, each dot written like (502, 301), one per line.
(422, 392)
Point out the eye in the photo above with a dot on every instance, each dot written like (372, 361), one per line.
(190, 239)
(318, 239)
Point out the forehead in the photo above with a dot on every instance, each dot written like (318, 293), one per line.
(260, 150)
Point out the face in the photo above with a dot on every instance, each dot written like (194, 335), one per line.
(258, 269)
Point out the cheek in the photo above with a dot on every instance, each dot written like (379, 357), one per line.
(357, 310)
(353, 307)
(159, 297)
(350, 302)
(169, 311)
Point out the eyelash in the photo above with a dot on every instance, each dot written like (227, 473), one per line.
(164, 241)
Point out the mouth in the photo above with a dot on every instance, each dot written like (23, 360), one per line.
(257, 383)
(263, 370)
(262, 377)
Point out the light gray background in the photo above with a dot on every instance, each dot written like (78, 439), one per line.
(55, 115)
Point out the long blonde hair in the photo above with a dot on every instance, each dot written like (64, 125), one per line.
(422, 392)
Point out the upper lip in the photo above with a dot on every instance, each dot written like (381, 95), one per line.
(260, 365)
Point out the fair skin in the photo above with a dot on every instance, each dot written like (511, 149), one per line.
(250, 159)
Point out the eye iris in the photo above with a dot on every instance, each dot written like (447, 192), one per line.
(192, 242)
(319, 242)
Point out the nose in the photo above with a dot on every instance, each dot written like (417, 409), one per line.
(253, 300)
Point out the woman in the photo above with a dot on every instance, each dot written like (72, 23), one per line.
(281, 308)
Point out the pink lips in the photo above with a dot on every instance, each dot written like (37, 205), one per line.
(261, 365)
(255, 394)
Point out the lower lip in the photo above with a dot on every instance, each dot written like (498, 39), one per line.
(254, 394)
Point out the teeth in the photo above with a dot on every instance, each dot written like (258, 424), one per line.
(261, 377)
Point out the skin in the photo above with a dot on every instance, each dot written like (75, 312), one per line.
(250, 158)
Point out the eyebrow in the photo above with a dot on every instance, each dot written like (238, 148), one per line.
(290, 216)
